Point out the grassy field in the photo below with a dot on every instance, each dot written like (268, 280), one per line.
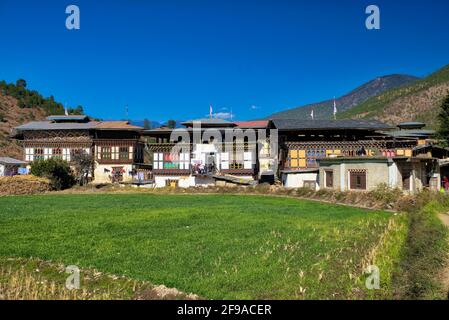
(216, 246)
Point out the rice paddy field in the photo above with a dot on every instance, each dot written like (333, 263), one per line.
(215, 246)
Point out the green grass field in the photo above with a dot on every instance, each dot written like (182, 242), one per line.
(216, 246)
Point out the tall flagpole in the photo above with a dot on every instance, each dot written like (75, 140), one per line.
(335, 109)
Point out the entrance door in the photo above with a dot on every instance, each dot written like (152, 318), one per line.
(406, 172)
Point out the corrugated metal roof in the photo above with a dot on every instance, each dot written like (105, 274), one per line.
(49, 125)
(419, 133)
(213, 121)
(67, 118)
(11, 161)
(294, 124)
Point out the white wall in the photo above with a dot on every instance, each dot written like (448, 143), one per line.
(296, 180)
(103, 177)
(184, 182)
(2, 170)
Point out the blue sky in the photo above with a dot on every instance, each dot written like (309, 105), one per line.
(171, 59)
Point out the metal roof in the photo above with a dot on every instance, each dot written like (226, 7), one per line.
(294, 124)
(412, 124)
(210, 122)
(68, 118)
(11, 161)
(418, 133)
(49, 125)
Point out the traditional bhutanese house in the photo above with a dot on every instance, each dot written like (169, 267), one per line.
(10, 166)
(115, 145)
(305, 143)
(410, 174)
(207, 148)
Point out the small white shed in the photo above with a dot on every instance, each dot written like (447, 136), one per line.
(10, 166)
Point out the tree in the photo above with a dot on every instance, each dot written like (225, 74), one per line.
(21, 83)
(56, 170)
(76, 111)
(146, 124)
(83, 164)
(171, 124)
(443, 118)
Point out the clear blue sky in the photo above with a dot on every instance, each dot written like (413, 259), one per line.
(171, 59)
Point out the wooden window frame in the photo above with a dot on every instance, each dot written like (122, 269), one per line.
(57, 153)
(358, 174)
(38, 155)
(106, 153)
(123, 153)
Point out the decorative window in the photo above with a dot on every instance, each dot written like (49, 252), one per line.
(106, 153)
(313, 154)
(38, 154)
(357, 179)
(184, 162)
(235, 165)
(29, 154)
(169, 161)
(124, 153)
(115, 153)
(297, 158)
(66, 154)
(158, 161)
(57, 153)
(47, 153)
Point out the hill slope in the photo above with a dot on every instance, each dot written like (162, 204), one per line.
(19, 105)
(418, 101)
(11, 115)
(324, 110)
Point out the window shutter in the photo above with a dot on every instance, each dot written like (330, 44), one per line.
(363, 180)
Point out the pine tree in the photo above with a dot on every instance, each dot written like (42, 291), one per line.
(443, 117)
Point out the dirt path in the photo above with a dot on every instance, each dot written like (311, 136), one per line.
(444, 217)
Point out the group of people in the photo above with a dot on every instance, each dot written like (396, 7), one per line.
(201, 168)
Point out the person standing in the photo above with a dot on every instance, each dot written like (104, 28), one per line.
(446, 184)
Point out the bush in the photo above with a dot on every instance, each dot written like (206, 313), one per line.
(56, 170)
(386, 194)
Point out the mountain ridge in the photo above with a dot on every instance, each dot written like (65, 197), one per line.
(324, 109)
(418, 101)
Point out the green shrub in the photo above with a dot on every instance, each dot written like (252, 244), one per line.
(386, 194)
(56, 170)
